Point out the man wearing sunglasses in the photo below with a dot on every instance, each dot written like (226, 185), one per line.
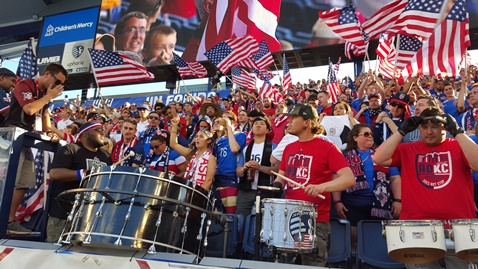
(386, 123)
(29, 111)
(436, 178)
(144, 137)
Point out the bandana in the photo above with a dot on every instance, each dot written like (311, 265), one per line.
(85, 128)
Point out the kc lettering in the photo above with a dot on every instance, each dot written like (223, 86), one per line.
(434, 169)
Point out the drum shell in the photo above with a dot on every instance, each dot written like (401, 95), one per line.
(465, 235)
(418, 245)
(151, 192)
(284, 224)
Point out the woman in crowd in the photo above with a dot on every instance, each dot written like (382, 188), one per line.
(163, 158)
(341, 109)
(202, 163)
(377, 192)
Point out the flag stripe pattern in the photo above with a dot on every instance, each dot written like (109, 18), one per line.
(230, 52)
(111, 68)
(443, 52)
(243, 78)
(27, 66)
(384, 46)
(333, 85)
(344, 22)
(352, 50)
(267, 90)
(407, 48)
(383, 19)
(192, 69)
(34, 197)
(260, 60)
(287, 79)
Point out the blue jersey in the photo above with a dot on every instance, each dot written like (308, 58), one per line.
(227, 161)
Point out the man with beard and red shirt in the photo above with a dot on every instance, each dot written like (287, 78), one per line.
(268, 107)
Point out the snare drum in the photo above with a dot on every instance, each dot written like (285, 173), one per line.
(415, 241)
(289, 225)
(138, 208)
(465, 232)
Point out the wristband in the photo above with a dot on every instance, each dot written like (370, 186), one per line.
(336, 202)
(397, 200)
(80, 173)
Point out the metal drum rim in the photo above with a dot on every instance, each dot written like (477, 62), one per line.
(413, 222)
(463, 221)
(288, 202)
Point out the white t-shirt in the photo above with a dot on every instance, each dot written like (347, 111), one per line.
(141, 126)
(63, 123)
(256, 155)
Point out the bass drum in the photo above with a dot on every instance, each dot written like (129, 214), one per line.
(138, 208)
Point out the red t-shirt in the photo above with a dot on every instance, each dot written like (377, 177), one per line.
(329, 111)
(304, 163)
(270, 111)
(436, 181)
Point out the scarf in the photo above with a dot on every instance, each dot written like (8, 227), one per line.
(382, 202)
(162, 160)
(120, 150)
(196, 170)
(278, 120)
(148, 132)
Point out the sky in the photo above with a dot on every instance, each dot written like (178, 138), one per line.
(298, 75)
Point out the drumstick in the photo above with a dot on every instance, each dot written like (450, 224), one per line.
(131, 154)
(295, 183)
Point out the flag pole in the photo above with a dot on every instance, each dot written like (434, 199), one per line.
(396, 56)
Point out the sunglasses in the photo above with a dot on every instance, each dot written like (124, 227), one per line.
(153, 118)
(154, 147)
(366, 134)
(432, 120)
(57, 81)
(397, 105)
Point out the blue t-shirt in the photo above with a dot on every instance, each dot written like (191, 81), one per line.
(227, 161)
(475, 173)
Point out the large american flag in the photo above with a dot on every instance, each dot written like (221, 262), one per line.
(111, 68)
(287, 80)
(230, 52)
(192, 69)
(35, 197)
(443, 52)
(384, 46)
(333, 85)
(407, 48)
(267, 90)
(27, 66)
(236, 18)
(243, 78)
(386, 52)
(344, 22)
(260, 60)
(352, 50)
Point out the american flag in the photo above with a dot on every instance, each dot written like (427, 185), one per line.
(443, 52)
(230, 52)
(260, 60)
(243, 78)
(192, 69)
(383, 19)
(333, 85)
(35, 197)
(352, 50)
(27, 66)
(287, 81)
(344, 22)
(337, 65)
(384, 46)
(237, 18)
(407, 48)
(262, 74)
(111, 67)
(267, 90)
(386, 66)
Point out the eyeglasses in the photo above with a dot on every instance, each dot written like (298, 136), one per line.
(133, 30)
(432, 120)
(397, 105)
(153, 118)
(154, 147)
(57, 81)
(366, 134)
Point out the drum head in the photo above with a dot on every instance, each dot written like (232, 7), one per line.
(417, 255)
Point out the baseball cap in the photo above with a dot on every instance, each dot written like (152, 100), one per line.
(304, 110)
(400, 97)
(375, 94)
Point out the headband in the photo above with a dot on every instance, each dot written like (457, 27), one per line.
(88, 126)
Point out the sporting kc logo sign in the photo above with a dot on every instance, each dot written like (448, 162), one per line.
(77, 50)
(434, 169)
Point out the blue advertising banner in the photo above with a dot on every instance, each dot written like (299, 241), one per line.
(68, 27)
(65, 38)
(165, 98)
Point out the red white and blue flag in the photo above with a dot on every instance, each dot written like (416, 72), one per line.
(352, 50)
(287, 79)
(268, 90)
(112, 68)
(243, 78)
(333, 86)
(230, 52)
(189, 69)
(443, 52)
(260, 60)
(27, 66)
(35, 197)
(344, 22)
